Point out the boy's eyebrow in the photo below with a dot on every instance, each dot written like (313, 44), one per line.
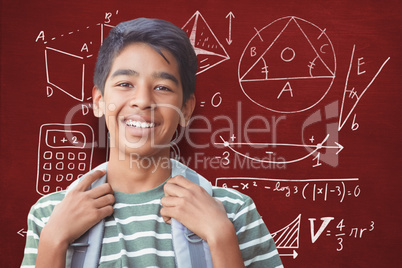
(160, 75)
(165, 75)
(128, 72)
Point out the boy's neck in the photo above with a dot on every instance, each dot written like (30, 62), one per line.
(139, 175)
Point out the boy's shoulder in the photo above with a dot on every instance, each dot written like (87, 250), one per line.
(51, 198)
(46, 203)
(232, 199)
(221, 192)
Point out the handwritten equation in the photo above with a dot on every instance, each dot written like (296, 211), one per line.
(307, 189)
(288, 239)
(341, 231)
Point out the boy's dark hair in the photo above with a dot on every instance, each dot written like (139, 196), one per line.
(159, 34)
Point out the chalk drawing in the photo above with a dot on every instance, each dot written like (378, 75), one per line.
(315, 190)
(288, 66)
(313, 151)
(352, 96)
(288, 236)
(327, 114)
(231, 16)
(63, 151)
(209, 50)
(70, 59)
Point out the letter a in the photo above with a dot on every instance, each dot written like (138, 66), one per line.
(84, 47)
(41, 35)
(287, 87)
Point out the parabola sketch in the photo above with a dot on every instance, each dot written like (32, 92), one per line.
(314, 148)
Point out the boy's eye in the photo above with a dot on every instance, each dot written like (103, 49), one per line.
(124, 85)
(162, 88)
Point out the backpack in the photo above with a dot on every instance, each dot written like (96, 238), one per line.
(190, 250)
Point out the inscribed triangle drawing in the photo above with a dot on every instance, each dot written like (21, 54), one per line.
(288, 66)
(290, 55)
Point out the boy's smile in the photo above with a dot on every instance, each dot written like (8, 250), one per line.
(142, 101)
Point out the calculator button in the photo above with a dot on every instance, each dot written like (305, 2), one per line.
(58, 189)
(47, 155)
(69, 177)
(81, 166)
(47, 166)
(59, 177)
(71, 156)
(59, 156)
(82, 156)
(46, 188)
(60, 166)
(46, 177)
(71, 166)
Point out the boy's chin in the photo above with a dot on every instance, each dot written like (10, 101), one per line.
(146, 150)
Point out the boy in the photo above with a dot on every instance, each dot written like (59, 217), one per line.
(144, 86)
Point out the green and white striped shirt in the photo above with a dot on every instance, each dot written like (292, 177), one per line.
(136, 235)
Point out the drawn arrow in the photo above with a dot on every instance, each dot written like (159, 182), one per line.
(294, 255)
(230, 15)
(22, 232)
(316, 148)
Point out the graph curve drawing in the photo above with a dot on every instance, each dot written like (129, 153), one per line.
(312, 152)
(288, 66)
(288, 236)
(209, 50)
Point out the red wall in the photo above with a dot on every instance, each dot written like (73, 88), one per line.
(283, 88)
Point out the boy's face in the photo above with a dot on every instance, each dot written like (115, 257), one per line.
(142, 102)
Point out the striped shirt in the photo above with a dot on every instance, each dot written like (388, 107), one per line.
(137, 236)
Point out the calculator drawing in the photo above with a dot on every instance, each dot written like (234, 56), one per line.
(64, 154)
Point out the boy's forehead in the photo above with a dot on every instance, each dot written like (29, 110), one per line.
(138, 48)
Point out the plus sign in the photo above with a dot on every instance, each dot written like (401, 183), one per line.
(312, 139)
(63, 140)
(233, 137)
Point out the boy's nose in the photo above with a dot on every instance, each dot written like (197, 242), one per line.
(142, 98)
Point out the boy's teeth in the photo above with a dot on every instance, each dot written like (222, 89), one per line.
(138, 124)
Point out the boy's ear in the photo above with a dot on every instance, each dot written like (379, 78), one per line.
(98, 103)
(187, 110)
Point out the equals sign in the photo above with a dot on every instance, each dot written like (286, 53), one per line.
(202, 104)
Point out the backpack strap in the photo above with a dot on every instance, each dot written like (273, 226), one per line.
(85, 251)
(188, 247)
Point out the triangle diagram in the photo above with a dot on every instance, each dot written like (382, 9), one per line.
(288, 236)
(290, 55)
(209, 50)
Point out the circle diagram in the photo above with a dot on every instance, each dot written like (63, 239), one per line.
(288, 66)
